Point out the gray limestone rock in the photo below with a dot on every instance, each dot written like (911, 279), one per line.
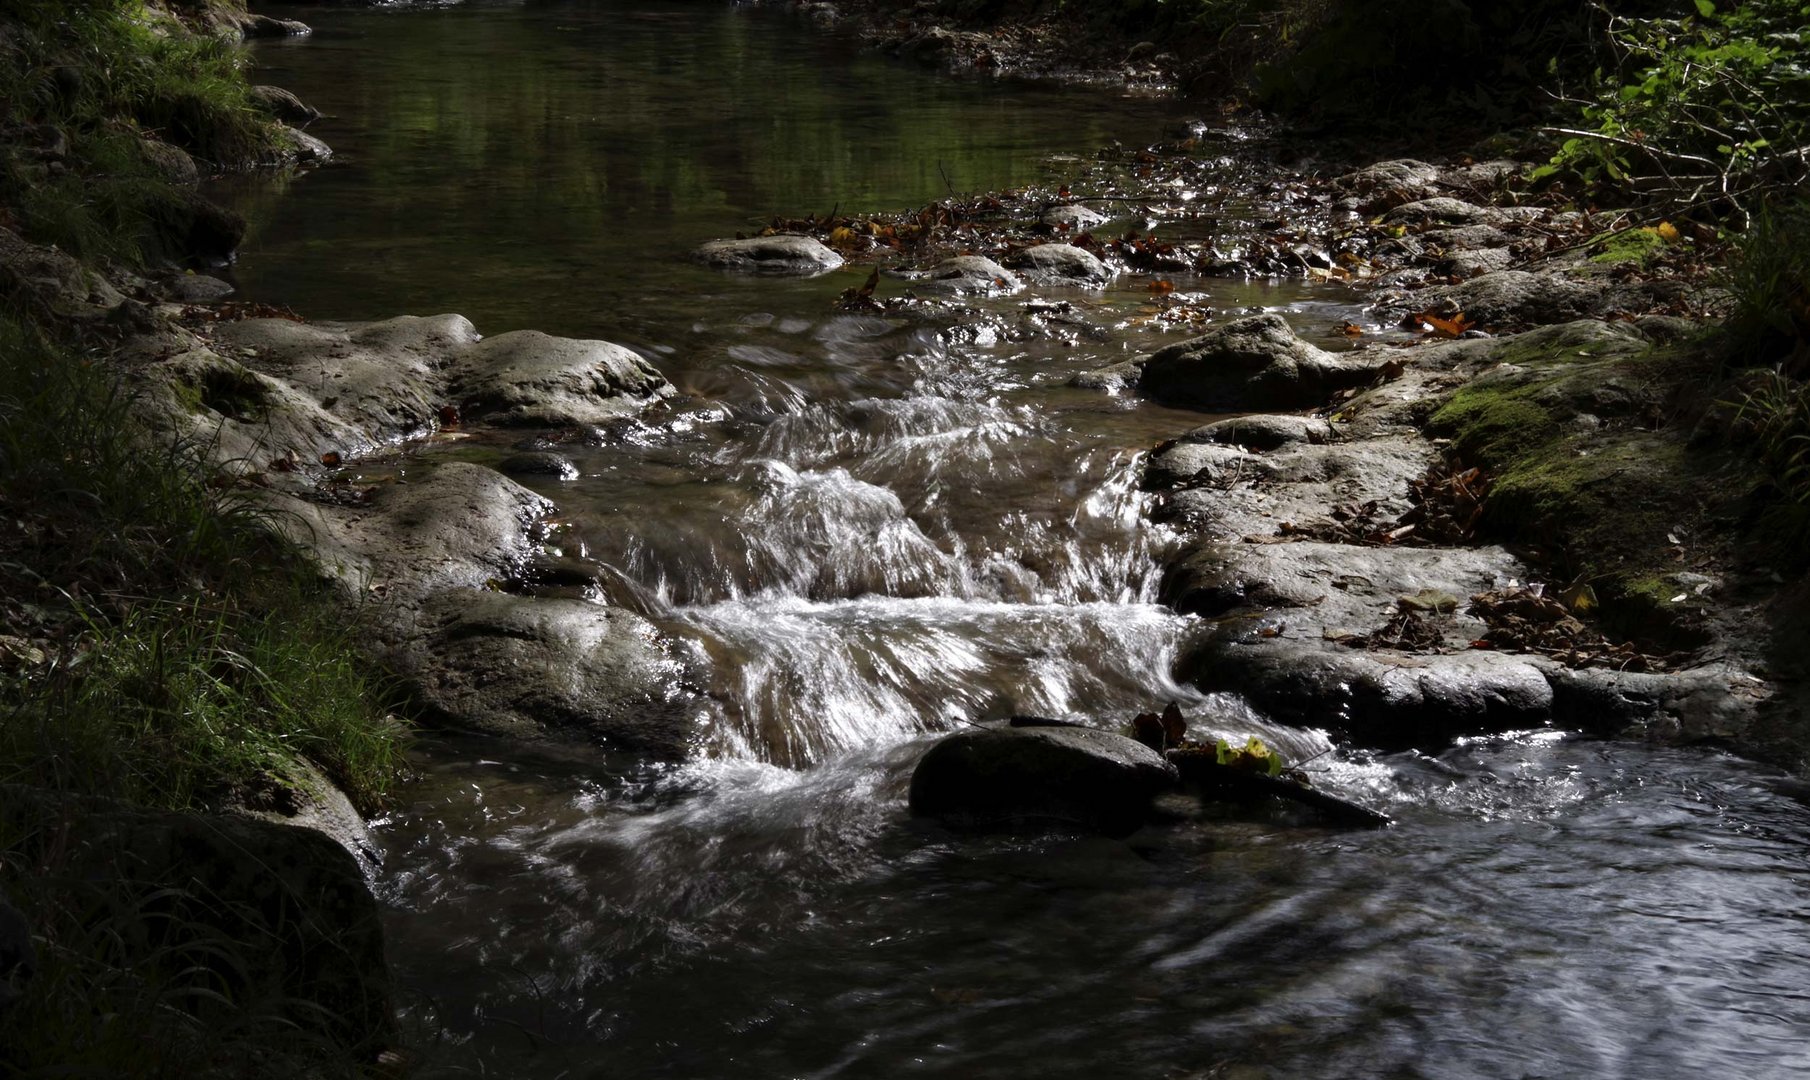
(284, 105)
(520, 666)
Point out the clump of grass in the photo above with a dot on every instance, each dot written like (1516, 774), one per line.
(1773, 419)
(1769, 278)
(83, 85)
(139, 979)
(195, 662)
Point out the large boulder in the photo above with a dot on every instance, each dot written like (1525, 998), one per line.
(1252, 364)
(1013, 774)
(779, 254)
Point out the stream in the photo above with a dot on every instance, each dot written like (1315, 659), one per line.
(872, 528)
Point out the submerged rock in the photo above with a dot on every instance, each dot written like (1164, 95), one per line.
(1061, 264)
(1003, 775)
(1076, 217)
(781, 254)
(539, 463)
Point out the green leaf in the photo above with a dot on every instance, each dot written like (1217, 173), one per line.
(1705, 8)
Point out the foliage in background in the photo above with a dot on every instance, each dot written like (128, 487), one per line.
(194, 662)
(1710, 110)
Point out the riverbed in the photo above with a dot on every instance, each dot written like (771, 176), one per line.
(870, 528)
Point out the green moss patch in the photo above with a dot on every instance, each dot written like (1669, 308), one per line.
(1592, 468)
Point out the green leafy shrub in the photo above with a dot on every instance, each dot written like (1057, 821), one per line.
(1708, 110)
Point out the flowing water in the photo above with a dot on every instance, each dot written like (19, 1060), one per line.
(870, 529)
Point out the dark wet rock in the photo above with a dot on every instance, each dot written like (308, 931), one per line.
(1005, 776)
(263, 912)
(1263, 431)
(1060, 264)
(284, 105)
(1254, 363)
(519, 666)
(1387, 184)
(304, 149)
(527, 377)
(539, 463)
(264, 26)
(196, 289)
(172, 163)
(33, 275)
(206, 229)
(1076, 217)
(783, 254)
(939, 44)
(975, 274)
(311, 801)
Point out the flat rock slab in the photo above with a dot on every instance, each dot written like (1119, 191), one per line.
(1378, 699)
(279, 394)
(1006, 776)
(783, 254)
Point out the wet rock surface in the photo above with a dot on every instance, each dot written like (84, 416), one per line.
(1008, 775)
(1250, 364)
(1060, 264)
(973, 274)
(1374, 640)
(781, 254)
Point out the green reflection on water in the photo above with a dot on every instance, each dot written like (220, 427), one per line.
(549, 165)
